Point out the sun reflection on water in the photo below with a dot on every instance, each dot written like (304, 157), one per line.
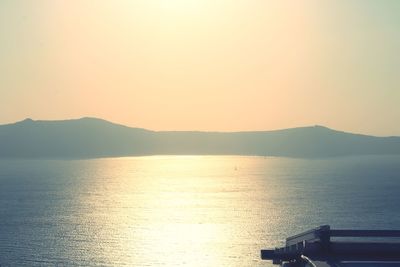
(173, 211)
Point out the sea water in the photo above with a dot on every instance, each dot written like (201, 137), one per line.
(184, 210)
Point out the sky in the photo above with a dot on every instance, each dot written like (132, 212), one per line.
(209, 65)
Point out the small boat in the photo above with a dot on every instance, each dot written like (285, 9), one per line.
(324, 247)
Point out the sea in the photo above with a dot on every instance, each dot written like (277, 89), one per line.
(184, 210)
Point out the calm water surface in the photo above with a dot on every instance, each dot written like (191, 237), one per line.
(183, 211)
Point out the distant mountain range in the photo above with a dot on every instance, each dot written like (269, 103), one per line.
(93, 138)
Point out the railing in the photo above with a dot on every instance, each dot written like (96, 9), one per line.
(316, 244)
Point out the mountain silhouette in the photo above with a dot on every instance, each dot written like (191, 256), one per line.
(93, 138)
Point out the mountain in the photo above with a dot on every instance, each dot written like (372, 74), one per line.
(92, 138)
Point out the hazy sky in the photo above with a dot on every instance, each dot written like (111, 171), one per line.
(204, 64)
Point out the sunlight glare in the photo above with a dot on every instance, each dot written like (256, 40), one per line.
(179, 5)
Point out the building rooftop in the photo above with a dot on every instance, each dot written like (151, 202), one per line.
(324, 247)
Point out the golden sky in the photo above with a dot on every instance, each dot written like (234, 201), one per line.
(214, 65)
